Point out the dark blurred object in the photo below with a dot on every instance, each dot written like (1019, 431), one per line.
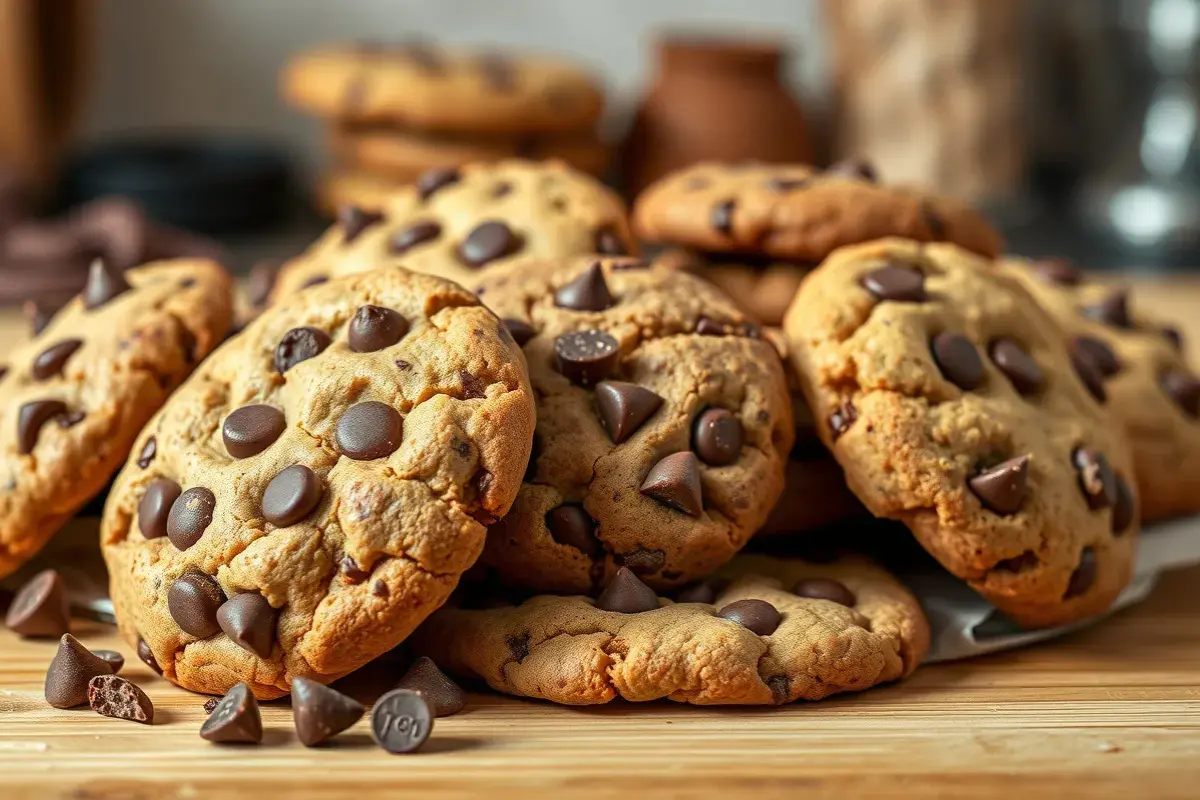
(714, 98)
(215, 184)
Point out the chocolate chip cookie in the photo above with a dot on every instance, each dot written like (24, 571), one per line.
(764, 631)
(443, 89)
(457, 222)
(954, 404)
(663, 425)
(318, 486)
(73, 399)
(1138, 364)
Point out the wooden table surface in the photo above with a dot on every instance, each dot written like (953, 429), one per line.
(1112, 711)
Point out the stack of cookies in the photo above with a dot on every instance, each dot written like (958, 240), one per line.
(396, 111)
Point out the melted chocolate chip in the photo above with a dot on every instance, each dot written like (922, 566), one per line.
(373, 328)
(291, 495)
(571, 525)
(717, 437)
(369, 430)
(50, 362)
(1003, 488)
(155, 507)
(415, 234)
(297, 345)
(193, 600)
(249, 430)
(190, 516)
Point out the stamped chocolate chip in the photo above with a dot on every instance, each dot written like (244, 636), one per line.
(624, 407)
(1017, 365)
(609, 243)
(401, 721)
(291, 495)
(412, 235)
(626, 594)
(1002, 488)
(374, 328)
(1098, 352)
(434, 179)
(958, 360)
(39, 609)
(1089, 375)
(193, 600)
(675, 482)
(758, 616)
(825, 589)
(1058, 271)
(699, 592)
(1084, 575)
(50, 362)
(487, 242)
(717, 437)
(154, 508)
(190, 516)
(149, 451)
(236, 719)
(104, 282)
(586, 292)
(521, 331)
(369, 430)
(299, 344)
(69, 673)
(354, 220)
(1124, 508)
(262, 281)
(842, 419)
(249, 621)
(572, 526)
(1184, 390)
(31, 417)
(1096, 478)
(898, 283)
(319, 712)
(721, 217)
(116, 697)
(146, 655)
(249, 430)
(586, 357)
(114, 659)
(445, 697)
(855, 168)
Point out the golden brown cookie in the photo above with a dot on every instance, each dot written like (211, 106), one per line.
(762, 287)
(950, 399)
(318, 486)
(355, 187)
(73, 399)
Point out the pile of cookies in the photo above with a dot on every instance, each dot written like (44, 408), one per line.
(396, 111)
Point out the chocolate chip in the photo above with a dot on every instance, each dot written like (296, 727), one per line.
(155, 507)
(70, 419)
(757, 615)
(249, 621)
(473, 387)
(1017, 365)
(354, 220)
(1112, 310)
(958, 360)
(933, 221)
(374, 328)
(434, 179)
(50, 362)
(193, 600)
(379, 589)
(412, 235)
(104, 282)
(31, 417)
(235, 719)
(249, 430)
(315, 280)
(147, 656)
(39, 609)
(320, 712)
(1089, 375)
(717, 437)
(699, 592)
(1124, 508)
(586, 357)
(369, 430)
(1096, 478)
(445, 697)
(586, 292)
(1183, 389)
(842, 419)
(518, 647)
(299, 344)
(292, 494)
(149, 451)
(501, 189)
(896, 282)
(1098, 352)
(1170, 332)
(825, 589)
(721, 217)
(70, 671)
(37, 315)
(706, 326)
(643, 561)
(1059, 271)
(675, 482)
(624, 407)
(116, 697)
(856, 168)
(487, 242)
(521, 331)
(1084, 575)
(626, 594)
(785, 185)
(401, 721)
(608, 242)
(571, 525)
(262, 281)
(114, 659)
(497, 72)
(190, 515)
(1002, 488)
(353, 572)
(779, 686)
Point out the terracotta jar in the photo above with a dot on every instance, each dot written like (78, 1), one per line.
(714, 98)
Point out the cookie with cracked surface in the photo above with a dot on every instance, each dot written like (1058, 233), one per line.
(318, 486)
(664, 424)
(797, 212)
(765, 631)
(444, 88)
(73, 399)
(1137, 362)
(950, 399)
(457, 223)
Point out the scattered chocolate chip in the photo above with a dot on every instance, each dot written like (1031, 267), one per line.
(37, 315)
(586, 292)
(412, 235)
(758, 616)
(624, 407)
(299, 344)
(1173, 336)
(31, 417)
(114, 696)
(958, 360)
(899, 283)
(147, 656)
(354, 220)
(70, 671)
(501, 189)
(249, 430)
(626, 264)
(114, 659)
(155, 507)
(473, 387)
(315, 280)
(445, 697)
(626, 594)
(1112, 310)
(249, 621)
(1089, 375)
(1084, 575)
(825, 589)
(608, 242)
(1098, 352)
(1184, 390)
(190, 515)
(104, 282)
(785, 185)
(434, 179)
(706, 326)
(380, 589)
(401, 721)
(721, 217)
(933, 221)
(842, 418)
(643, 561)
(1027, 560)
(1096, 478)
(236, 718)
(353, 572)
(39, 608)
(717, 437)
(856, 168)
(521, 331)
(70, 419)
(320, 712)
(1017, 365)
(262, 281)
(675, 482)
(50, 362)
(1002, 488)
(1123, 510)
(699, 592)
(292, 494)
(487, 242)
(369, 430)
(374, 328)
(3, 371)
(779, 686)
(193, 600)
(1059, 271)
(572, 526)
(149, 451)
(586, 357)
(518, 647)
